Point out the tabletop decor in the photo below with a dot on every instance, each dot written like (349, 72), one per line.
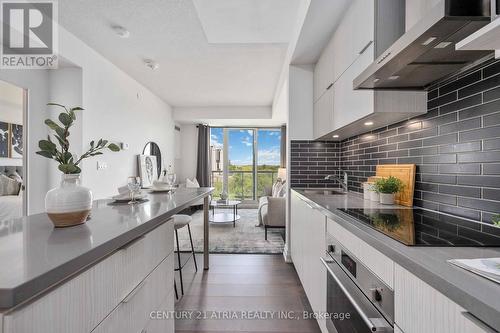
(387, 188)
(69, 204)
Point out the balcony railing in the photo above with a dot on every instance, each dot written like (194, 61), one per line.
(241, 183)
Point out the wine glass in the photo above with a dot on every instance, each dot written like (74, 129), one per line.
(134, 185)
(171, 179)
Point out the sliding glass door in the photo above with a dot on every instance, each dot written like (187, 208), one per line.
(244, 161)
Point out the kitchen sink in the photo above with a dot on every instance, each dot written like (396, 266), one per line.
(325, 191)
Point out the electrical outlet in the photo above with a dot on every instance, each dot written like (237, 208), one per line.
(102, 165)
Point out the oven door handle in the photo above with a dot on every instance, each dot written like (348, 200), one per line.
(374, 324)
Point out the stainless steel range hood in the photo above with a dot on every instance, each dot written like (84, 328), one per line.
(426, 52)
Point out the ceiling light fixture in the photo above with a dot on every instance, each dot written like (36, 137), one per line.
(121, 31)
(428, 41)
(442, 45)
(151, 64)
(369, 123)
(335, 136)
(394, 77)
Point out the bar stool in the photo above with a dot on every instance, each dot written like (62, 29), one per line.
(181, 221)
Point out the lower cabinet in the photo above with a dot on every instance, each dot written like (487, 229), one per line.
(116, 294)
(308, 227)
(421, 308)
(133, 313)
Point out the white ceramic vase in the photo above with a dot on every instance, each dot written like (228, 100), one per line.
(374, 195)
(69, 204)
(387, 198)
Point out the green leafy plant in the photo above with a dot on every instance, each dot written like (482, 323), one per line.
(389, 185)
(68, 162)
(496, 220)
(387, 222)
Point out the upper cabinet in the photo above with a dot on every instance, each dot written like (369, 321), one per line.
(366, 30)
(324, 71)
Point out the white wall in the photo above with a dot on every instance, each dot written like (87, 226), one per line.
(116, 106)
(66, 89)
(185, 167)
(119, 109)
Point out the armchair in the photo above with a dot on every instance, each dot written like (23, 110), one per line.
(272, 211)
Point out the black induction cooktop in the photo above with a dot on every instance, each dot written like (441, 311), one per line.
(420, 227)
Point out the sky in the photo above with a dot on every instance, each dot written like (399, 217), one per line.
(241, 141)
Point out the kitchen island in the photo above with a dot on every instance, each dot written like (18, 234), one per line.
(100, 276)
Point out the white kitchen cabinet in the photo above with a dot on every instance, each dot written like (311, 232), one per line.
(352, 48)
(354, 33)
(421, 308)
(83, 301)
(324, 71)
(308, 233)
(350, 105)
(323, 114)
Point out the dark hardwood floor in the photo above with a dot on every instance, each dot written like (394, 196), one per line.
(243, 293)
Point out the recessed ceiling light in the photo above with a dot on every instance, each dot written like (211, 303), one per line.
(428, 41)
(376, 80)
(369, 123)
(394, 77)
(335, 136)
(121, 31)
(442, 45)
(151, 64)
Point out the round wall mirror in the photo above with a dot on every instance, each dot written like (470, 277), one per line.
(152, 149)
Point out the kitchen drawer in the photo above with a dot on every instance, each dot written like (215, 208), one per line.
(378, 263)
(164, 323)
(421, 308)
(82, 302)
(133, 313)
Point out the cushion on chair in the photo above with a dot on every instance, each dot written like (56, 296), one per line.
(181, 220)
(192, 183)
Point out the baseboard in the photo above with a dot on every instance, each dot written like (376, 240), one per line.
(286, 255)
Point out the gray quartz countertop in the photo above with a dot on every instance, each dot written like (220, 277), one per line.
(477, 295)
(35, 256)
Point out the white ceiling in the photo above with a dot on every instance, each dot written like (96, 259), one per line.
(239, 63)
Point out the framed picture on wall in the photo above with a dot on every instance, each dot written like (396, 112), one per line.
(147, 170)
(16, 141)
(4, 139)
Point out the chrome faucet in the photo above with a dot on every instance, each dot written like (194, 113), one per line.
(342, 182)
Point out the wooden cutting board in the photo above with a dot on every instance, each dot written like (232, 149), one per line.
(406, 173)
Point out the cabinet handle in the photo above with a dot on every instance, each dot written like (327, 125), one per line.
(132, 242)
(365, 48)
(134, 291)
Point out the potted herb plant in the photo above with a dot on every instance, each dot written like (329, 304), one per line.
(69, 204)
(387, 188)
(496, 220)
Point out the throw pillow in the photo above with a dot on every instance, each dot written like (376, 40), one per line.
(278, 188)
(14, 175)
(9, 186)
(192, 183)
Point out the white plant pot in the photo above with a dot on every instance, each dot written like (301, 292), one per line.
(387, 198)
(69, 204)
(366, 190)
(374, 196)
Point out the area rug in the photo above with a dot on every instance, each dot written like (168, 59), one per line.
(246, 237)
